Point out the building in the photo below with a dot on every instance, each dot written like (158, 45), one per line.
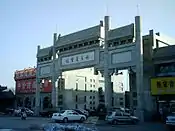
(81, 99)
(26, 86)
(7, 98)
(163, 80)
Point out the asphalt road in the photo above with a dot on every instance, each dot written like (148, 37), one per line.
(18, 124)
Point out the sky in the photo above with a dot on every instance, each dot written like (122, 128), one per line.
(24, 24)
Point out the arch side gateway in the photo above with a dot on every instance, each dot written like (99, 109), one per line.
(107, 50)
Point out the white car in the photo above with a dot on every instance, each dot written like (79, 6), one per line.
(170, 121)
(68, 115)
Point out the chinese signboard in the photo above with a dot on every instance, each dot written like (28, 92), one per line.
(29, 86)
(25, 86)
(163, 85)
(165, 69)
(79, 58)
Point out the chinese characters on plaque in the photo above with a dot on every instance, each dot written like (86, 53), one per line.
(79, 58)
(162, 84)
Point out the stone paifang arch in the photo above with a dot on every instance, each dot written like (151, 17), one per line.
(107, 50)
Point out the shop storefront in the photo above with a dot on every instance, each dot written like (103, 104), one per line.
(163, 88)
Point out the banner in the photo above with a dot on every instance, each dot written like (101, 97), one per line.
(29, 86)
(163, 86)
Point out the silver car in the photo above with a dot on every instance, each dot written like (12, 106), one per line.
(170, 121)
(118, 117)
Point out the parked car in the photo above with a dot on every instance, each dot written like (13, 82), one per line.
(68, 115)
(82, 112)
(119, 117)
(78, 111)
(170, 121)
(48, 112)
(9, 111)
(17, 112)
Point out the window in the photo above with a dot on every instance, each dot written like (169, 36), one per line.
(84, 98)
(60, 103)
(90, 90)
(75, 46)
(130, 40)
(76, 98)
(90, 97)
(112, 101)
(121, 103)
(34, 85)
(94, 108)
(75, 113)
(90, 85)
(115, 43)
(135, 102)
(23, 85)
(94, 102)
(85, 106)
(90, 102)
(126, 114)
(121, 99)
(19, 85)
(94, 80)
(91, 42)
(123, 42)
(80, 45)
(29, 85)
(85, 44)
(134, 94)
(94, 86)
(90, 80)
(60, 96)
(118, 114)
(93, 97)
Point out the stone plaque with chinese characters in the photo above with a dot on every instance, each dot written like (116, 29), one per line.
(78, 58)
(44, 70)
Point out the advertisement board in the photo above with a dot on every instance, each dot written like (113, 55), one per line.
(29, 86)
(163, 86)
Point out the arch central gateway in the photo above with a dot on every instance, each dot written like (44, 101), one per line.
(107, 50)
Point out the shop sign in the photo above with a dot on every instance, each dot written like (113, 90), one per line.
(163, 85)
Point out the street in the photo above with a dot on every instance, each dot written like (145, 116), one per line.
(18, 124)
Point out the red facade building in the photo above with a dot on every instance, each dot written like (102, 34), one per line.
(26, 82)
